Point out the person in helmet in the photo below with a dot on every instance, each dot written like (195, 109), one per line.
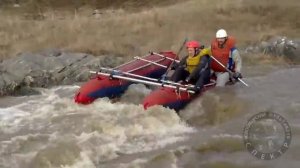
(224, 50)
(194, 68)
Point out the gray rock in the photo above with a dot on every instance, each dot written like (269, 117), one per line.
(52, 52)
(28, 80)
(278, 46)
(49, 67)
(111, 60)
(25, 91)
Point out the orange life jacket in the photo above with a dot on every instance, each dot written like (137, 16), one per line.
(221, 54)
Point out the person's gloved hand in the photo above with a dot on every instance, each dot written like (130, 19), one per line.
(237, 75)
(188, 80)
(163, 78)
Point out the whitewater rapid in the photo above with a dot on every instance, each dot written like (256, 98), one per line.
(50, 130)
(52, 126)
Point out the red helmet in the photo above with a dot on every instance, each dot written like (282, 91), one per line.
(193, 44)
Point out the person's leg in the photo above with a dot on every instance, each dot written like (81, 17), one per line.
(204, 78)
(207, 76)
(179, 74)
(222, 78)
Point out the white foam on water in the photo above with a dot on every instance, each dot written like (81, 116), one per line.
(10, 117)
(137, 163)
(101, 131)
(227, 136)
(84, 161)
(9, 114)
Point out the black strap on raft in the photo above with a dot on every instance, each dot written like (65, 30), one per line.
(177, 89)
(112, 73)
(111, 77)
(96, 76)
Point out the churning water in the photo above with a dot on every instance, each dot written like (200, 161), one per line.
(50, 130)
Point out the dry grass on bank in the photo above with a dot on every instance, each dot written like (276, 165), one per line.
(161, 28)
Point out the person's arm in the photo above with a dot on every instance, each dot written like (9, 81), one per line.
(204, 63)
(182, 63)
(238, 64)
(237, 60)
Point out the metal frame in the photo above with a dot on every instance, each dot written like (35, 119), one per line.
(131, 61)
(165, 57)
(144, 77)
(181, 88)
(154, 63)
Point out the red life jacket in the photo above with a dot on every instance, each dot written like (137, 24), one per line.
(221, 54)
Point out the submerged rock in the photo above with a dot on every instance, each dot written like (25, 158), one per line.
(47, 68)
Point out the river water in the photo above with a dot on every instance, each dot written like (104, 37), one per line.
(50, 130)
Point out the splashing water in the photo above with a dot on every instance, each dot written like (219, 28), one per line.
(50, 130)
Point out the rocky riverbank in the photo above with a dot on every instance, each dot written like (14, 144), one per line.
(279, 46)
(20, 74)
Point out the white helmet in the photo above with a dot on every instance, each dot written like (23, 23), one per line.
(221, 33)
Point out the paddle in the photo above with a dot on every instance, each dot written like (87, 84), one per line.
(174, 60)
(230, 72)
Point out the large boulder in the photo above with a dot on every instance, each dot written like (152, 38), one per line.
(278, 46)
(47, 68)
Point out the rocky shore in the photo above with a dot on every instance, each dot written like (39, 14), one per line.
(19, 75)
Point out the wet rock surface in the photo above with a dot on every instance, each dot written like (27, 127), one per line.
(279, 46)
(18, 75)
